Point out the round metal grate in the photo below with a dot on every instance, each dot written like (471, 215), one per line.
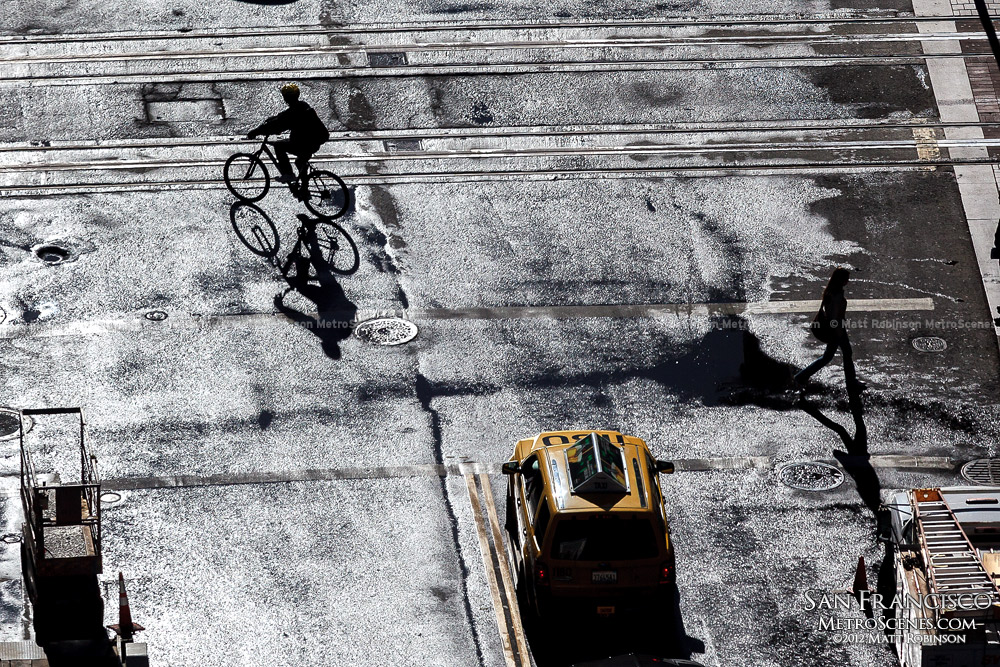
(985, 472)
(10, 423)
(810, 476)
(52, 254)
(929, 344)
(386, 331)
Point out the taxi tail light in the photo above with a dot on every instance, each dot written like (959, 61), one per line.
(541, 573)
(667, 573)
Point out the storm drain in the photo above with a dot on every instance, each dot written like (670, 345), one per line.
(985, 472)
(52, 254)
(386, 331)
(929, 344)
(810, 476)
(10, 423)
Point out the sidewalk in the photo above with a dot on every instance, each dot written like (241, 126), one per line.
(966, 91)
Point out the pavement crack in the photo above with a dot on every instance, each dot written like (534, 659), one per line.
(425, 394)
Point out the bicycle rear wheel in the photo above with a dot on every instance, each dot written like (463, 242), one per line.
(327, 195)
(246, 177)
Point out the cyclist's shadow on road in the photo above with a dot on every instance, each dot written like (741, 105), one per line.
(309, 271)
(323, 250)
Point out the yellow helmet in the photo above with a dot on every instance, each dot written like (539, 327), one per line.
(290, 90)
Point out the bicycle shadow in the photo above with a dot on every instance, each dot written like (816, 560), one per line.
(322, 251)
(309, 271)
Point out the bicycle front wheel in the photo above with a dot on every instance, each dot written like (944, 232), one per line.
(328, 196)
(246, 177)
(338, 250)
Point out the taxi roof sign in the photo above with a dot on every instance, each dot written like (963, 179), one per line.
(596, 465)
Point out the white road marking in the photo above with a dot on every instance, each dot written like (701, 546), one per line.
(664, 310)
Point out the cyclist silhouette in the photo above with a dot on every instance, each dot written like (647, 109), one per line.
(306, 133)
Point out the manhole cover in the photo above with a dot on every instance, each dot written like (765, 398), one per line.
(3, 315)
(156, 316)
(11, 538)
(110, 497)
(386, 331)
(810, 476)
(929, 344)
(985, 472)
(52, 254)
(10, 423)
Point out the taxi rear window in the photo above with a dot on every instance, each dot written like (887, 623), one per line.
(604, 539)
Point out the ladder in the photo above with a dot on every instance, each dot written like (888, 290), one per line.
(953, 566)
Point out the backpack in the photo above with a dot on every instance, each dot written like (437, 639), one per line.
(820, 326)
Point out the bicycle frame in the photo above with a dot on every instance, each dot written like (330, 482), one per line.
(265, 148)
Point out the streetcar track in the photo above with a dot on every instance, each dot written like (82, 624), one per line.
(461, 46)
(487, 69)
(115, 164)
(446, 26)
(464, 177)
(680, 128)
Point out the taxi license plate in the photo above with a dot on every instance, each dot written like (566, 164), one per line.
(604, 577)
(605, 611)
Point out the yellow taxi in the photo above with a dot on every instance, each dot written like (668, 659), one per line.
(586, 521)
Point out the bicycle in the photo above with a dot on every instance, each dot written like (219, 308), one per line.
(324, 193)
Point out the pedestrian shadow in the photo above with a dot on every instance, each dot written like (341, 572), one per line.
(309, 271)
(856, 460)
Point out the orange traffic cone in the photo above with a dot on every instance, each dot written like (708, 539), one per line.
(125, 627)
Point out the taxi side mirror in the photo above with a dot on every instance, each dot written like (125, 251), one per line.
(510, 468)
(665, 467)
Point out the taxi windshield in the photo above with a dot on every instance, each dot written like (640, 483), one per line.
(604, 539)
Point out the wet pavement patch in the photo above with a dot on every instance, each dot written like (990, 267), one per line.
(929, 344)
(810, 476)
(386, 331)
(984, 472)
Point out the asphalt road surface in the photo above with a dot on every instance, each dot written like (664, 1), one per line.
(599, 215)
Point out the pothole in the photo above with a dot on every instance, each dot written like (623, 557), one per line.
(929, 344)
(51, 253)
(984, 472)
(386, 331)
(810, 476)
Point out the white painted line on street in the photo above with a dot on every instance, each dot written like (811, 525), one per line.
(184, 321)
(887, 461)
